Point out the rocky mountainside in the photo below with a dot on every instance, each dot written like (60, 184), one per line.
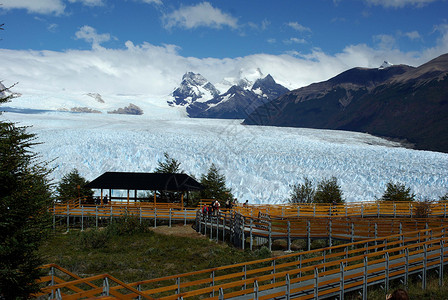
(203, 100)
(393, 101)
(194, 87)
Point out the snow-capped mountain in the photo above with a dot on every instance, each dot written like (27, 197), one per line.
(194, 87)
(202, 100)
(385, 65)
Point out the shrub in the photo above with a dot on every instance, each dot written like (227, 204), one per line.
(94, 239)
(328, 191)
(127, 225)
(302, 193)
(397, 192)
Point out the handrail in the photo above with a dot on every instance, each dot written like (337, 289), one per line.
(325, 261)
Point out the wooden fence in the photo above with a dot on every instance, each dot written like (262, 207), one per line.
(315, 274)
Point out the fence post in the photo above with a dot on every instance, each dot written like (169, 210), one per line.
(378, 210)
(316, 283)
(221, 294)
(406, 267)
(395, 210)
(170, 218)
(178, 285)
(341, 282)
(353, 233)
(185, 217)
(330, 242)
(288, 287)
(243, 237)
(111, 213)
(155, 217)
(441, 263)
(140, 214)
(289, 236)
(96, 216)
(298, 210)
(82, 218)
(308, 233)
(251, 238)
(256, 290)
(362, 210)
(270, 235)
(364, 286)
(212, 283)
(273, 270)
(245, 276)
(425, 257)
(386, 277)
(376, 236)
(314, 210)
(68, 217)
(217, 226)
(105, 287)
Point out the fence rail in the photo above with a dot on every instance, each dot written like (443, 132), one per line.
(320, 273)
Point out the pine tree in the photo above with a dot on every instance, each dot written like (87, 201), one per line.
(24, 219)
(68, 187)
(214, 185)
(397, 192)
(170, 165)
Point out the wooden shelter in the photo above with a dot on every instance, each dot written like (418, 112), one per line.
(129, 181)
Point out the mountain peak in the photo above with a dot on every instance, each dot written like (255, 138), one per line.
(385, 65)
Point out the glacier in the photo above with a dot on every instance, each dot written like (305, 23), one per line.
(261, 164)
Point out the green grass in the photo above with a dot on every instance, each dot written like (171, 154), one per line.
(131, 253)
(139, 255)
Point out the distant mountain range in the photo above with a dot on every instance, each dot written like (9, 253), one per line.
(395, 101)
(203, 100)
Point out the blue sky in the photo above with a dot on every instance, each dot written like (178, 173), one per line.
(299, 42)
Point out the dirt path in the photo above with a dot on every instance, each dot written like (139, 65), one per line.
(178, 230)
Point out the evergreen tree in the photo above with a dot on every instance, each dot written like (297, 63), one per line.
(214, 185)
(68, 187)
(302, 193)
(444, 197)
(397, 192)
(170, 165)
(328, 191)
(24, 218)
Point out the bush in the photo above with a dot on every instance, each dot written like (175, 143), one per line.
(302, 193)
(94, 239)
(422, 209)
(397, 192)
(127, 225)
(328, 191)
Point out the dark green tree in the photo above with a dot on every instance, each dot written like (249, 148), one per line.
(24, 219)
(214, 185)
(68, 187)
(328, 191)
(302, 193)
(444, 197)
(397, 192)
(170, 165)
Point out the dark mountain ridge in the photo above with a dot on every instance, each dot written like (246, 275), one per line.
(400, 102)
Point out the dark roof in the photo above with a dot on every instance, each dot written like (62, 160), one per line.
(145, 181)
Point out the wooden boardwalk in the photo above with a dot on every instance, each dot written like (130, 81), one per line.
(379, 247)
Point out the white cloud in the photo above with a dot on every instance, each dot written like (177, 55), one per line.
(413, 35)
(89, 2)
(202, 14)
(294, 40)
(385, 41)
(90, 35)
(35, 6)
(158, 2)
(148, 69)
(298, 27)
(400, 3)
(52, 27)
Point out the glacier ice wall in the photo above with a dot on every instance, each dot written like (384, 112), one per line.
(260, 163)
